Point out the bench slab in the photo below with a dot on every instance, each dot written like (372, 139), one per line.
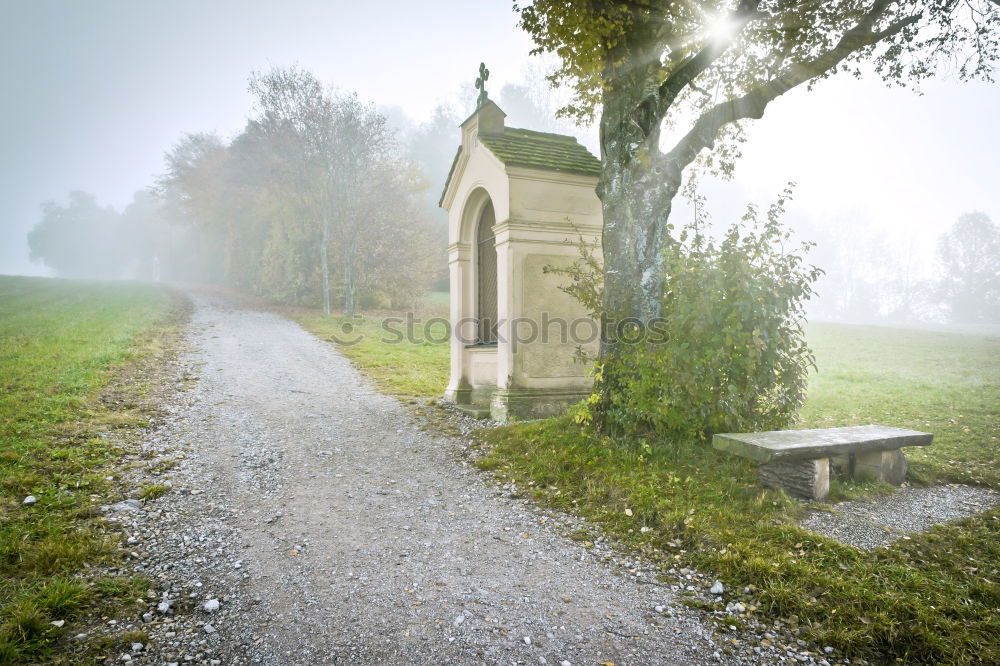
(792, 445)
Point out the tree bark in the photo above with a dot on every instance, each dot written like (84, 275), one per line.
(636, 214)
(349, 279)
(636, 196)
(325, 264)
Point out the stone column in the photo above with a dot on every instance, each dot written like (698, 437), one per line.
(507, 307)
(461, 278)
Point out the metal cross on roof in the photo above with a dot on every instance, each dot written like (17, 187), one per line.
(484, 75)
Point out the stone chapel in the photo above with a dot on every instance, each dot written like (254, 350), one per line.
(518, 201)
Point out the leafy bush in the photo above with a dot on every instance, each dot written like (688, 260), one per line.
(729, 353)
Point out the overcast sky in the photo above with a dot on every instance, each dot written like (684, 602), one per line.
(95, 92)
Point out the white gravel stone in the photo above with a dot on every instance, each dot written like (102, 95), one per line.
(126, 506)
(29, 500)
(717, 588)
(211, 605)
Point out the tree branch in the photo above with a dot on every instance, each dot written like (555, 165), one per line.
(752, 104)
(651, 110)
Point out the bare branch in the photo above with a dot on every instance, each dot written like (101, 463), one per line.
(650, 112)
(751, 105)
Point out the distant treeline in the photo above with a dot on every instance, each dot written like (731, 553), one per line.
(870, 278)
(321, 200)
(314, 202)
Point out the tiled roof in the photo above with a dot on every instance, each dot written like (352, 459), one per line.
(541, 150)
(535, 150)
(451, 172)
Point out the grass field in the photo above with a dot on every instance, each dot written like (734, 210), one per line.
(947, 384)
(61, 343)
(406, 356)
(932, 599)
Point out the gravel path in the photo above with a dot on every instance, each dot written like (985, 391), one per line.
(876, 522)
(311, 520)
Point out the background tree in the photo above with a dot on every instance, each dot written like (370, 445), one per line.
(79, 240)
(400, 252)
(672, 80)
(362, 148)
(146, 230)
(431, 146)
(297, 113)
(908, 292)
(857, 261)
(195, 199)
(969, 255)
(314, 198)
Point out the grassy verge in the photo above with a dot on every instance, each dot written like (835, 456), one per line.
(932, 599)
(69, 352)
(404, 352)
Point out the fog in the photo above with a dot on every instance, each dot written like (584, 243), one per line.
(97, 93)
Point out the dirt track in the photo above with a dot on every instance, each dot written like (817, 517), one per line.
(333, 529)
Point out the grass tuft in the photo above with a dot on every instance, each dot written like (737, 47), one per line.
(153, 491)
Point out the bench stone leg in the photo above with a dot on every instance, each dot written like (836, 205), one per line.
(841, 465)
(887, 466)
(803, 479)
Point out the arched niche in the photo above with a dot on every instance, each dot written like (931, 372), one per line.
(486, 276)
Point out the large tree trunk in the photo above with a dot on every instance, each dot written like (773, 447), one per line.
(636, 197)
(636, 193)
(636, 213)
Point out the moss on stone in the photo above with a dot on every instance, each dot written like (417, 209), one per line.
(541, 150)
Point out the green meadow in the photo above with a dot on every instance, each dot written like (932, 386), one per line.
(404, 356)
(66, 349)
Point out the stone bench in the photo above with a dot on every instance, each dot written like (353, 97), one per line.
(798, 461)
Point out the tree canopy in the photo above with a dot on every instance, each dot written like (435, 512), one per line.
(313, 200)
(79, 240)
(702, 67)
